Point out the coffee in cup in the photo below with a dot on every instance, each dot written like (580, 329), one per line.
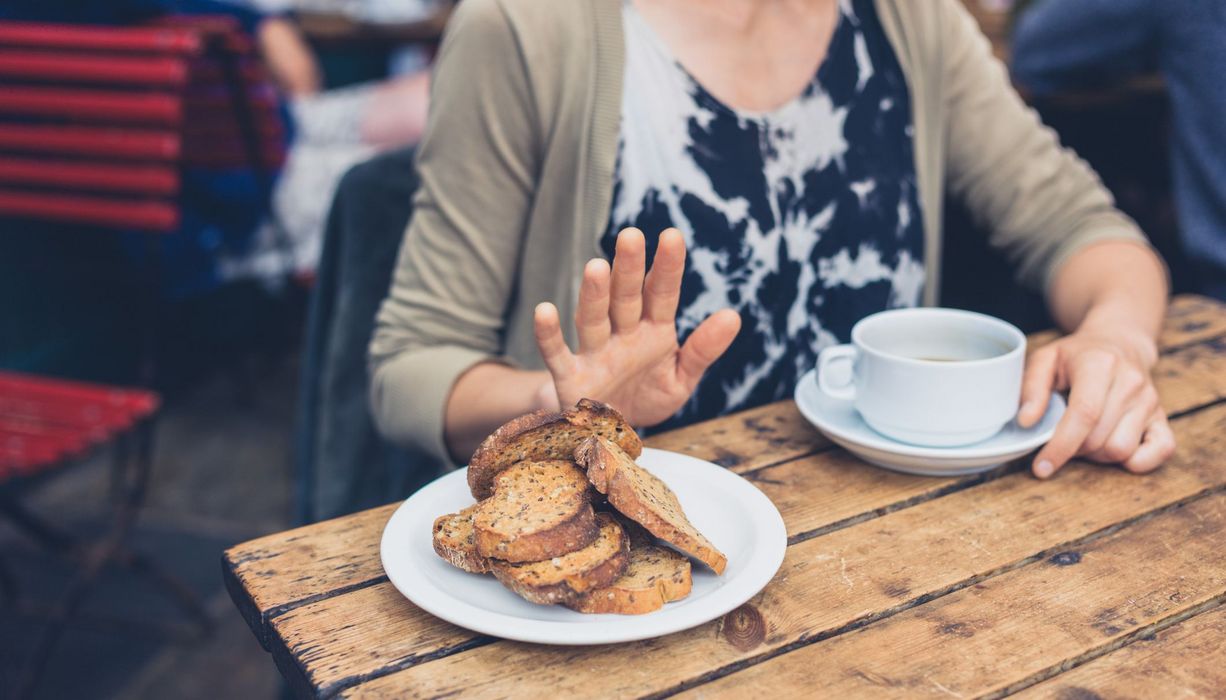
(930, 377)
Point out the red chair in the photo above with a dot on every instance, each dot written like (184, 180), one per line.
(46, 424)
(98, 123)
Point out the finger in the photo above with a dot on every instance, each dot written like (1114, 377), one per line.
(1126, 438)
(1128, 393)
(705, 345)
(626, 305)
(662, 289)
(548, 327)
(1090, 381)
(1037, 385)
(592, 315)
(1156, 448)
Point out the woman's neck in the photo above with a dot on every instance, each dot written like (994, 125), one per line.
(750, 54)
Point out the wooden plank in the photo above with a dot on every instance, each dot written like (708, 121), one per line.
(269, 573)
(1191, 319)
(1025, 623)
(1192, 376)
(1185, 660)
(317, 643)
(747, 440)
(837, 581)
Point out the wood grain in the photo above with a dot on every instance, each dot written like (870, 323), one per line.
(1191, 319)
(1025, 623)
(747, 440)
(849, 577)
(378, 626)
(268, 573)
(1187, 660)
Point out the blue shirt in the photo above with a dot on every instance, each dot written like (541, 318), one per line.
(804, 219)
(1059, 44)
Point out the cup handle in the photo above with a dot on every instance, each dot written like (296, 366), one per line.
(829, 356)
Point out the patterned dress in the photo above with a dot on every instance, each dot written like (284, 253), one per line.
(804, 219)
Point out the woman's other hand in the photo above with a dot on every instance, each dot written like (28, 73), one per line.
(1114, 415)
(628, 354)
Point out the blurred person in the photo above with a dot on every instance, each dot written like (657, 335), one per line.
(1066, 44)
(226, 232)
(333, 130)
(798, 152)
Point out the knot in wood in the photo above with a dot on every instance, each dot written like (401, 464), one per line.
(1066, 558)
(744, 627)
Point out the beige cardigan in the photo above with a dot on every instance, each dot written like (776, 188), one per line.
(516, 170)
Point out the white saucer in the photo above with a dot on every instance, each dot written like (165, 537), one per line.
(838, 420)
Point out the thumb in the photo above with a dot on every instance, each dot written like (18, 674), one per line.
(705, 345)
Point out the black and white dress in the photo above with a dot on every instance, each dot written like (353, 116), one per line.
(804, 219)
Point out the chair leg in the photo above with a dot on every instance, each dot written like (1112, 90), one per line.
(39, 530)
(132, 466)
(68, 604)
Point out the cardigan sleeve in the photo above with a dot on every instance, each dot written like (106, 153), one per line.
(477, 164)
(1040, 202)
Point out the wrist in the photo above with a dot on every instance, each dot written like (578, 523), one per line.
(545, 396)
(1122, 330)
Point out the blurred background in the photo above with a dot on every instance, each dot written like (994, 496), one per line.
(167, 230)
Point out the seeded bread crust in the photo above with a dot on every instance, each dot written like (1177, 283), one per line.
(539, 510)
(546, 435)
(641, 496)
(562, 579)
(655, 576)
(453, 541)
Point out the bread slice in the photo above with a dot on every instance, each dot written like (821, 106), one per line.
(654, 576)
(539, 510)
(641, 496)
(562, 579)
(453, 541)
(546, 435)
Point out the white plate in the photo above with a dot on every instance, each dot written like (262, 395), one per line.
(838, 420)
(738, 518)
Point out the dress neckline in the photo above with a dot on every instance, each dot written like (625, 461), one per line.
(632, 16)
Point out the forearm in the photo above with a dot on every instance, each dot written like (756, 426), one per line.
(483, 398)
(1113, 287)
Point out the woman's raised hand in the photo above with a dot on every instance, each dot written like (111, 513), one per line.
(628, 353)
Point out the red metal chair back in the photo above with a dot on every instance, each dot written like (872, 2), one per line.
(97, 123)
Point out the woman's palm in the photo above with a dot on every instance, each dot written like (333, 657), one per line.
(628, 352)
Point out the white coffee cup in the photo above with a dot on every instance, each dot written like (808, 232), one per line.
(931, 377)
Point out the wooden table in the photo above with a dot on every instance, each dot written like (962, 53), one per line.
(1097, 583)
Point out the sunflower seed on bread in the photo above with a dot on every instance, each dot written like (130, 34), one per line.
(563, 578)
(538, 510)
(453, 541)
(546, 435)
(639, 495)
(654, 576)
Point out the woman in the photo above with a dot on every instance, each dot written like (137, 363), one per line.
(802, 148)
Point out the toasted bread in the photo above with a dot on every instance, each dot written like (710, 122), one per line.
(564, 578)
(453, 541)
(655, 576)
(546, 435)
(538, 510)
(641, 496)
